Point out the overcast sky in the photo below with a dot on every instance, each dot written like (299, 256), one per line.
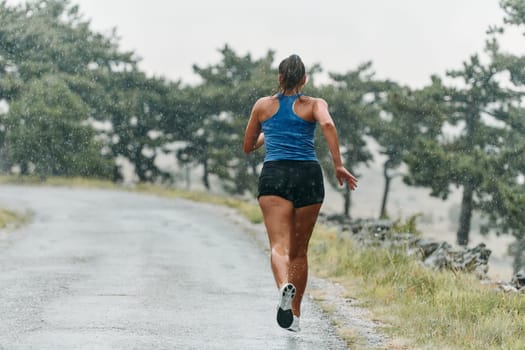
(407, 40)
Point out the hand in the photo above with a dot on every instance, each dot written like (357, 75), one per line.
(259, 142)
(344, 175)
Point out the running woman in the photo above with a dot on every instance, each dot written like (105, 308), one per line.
(291, 189)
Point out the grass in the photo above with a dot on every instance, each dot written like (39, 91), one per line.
(248, 210)
(11, 219)
(433, 310)
(427, 309)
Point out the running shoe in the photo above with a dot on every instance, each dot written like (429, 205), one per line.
(284, 308)
(295, 325)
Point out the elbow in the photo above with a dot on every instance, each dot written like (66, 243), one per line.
(327, 125)
(246, 149)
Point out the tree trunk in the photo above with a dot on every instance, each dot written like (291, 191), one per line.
(347, 201)
(465, 215)
(117, 175)
(187, 176)
(519, 256)
(3, 157)
(388, 179)
(139, 164)
(205, 175)
(254, 169)
(24, 170)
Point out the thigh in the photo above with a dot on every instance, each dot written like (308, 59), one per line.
(278, 214)
(304, 222)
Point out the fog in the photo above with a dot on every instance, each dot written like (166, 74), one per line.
(407, 41)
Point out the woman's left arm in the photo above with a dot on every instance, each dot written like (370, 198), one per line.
(253, 138)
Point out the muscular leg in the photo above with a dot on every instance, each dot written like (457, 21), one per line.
(278, 214)
(304, 222)
(289, 231)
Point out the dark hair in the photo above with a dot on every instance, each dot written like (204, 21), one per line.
(292, 72)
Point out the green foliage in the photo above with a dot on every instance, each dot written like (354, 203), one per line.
(352, 101)
(407, 116)
(49, 36)
(142, 112)
(515, 11)
(475, 157)
(507, 193)
(49, 39)
(352, 111)
(45, 134)
(409, 225)
(220, 112)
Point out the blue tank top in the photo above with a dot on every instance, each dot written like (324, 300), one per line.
(286, 135)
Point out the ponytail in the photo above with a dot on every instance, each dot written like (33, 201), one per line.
(292, 72)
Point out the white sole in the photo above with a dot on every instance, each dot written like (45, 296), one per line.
(295, 325)
(285, 316)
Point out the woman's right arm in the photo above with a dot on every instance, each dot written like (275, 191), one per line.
(322, 116)
(252, 135)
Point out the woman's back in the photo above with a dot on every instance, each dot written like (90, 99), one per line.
(289, 135)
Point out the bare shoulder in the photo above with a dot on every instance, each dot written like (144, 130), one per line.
(320, 102)
(313, 101)
(316, 104)
(320, 110)
(264, 102)
(265, 107)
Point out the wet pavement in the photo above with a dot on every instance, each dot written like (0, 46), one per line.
(116, 270)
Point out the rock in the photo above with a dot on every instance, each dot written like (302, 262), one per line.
(426, 246)
(439, 259)
(435, 255)
(446, 256)
(516, 284)
(507, 288)
(518, 280)
(375, 228)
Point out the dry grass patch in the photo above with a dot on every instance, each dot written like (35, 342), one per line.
(433, 309)
(11, 219)
(249, 210)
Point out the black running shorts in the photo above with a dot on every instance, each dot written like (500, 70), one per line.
(298, 181)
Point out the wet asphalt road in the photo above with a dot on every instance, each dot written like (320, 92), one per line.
(114, 270)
